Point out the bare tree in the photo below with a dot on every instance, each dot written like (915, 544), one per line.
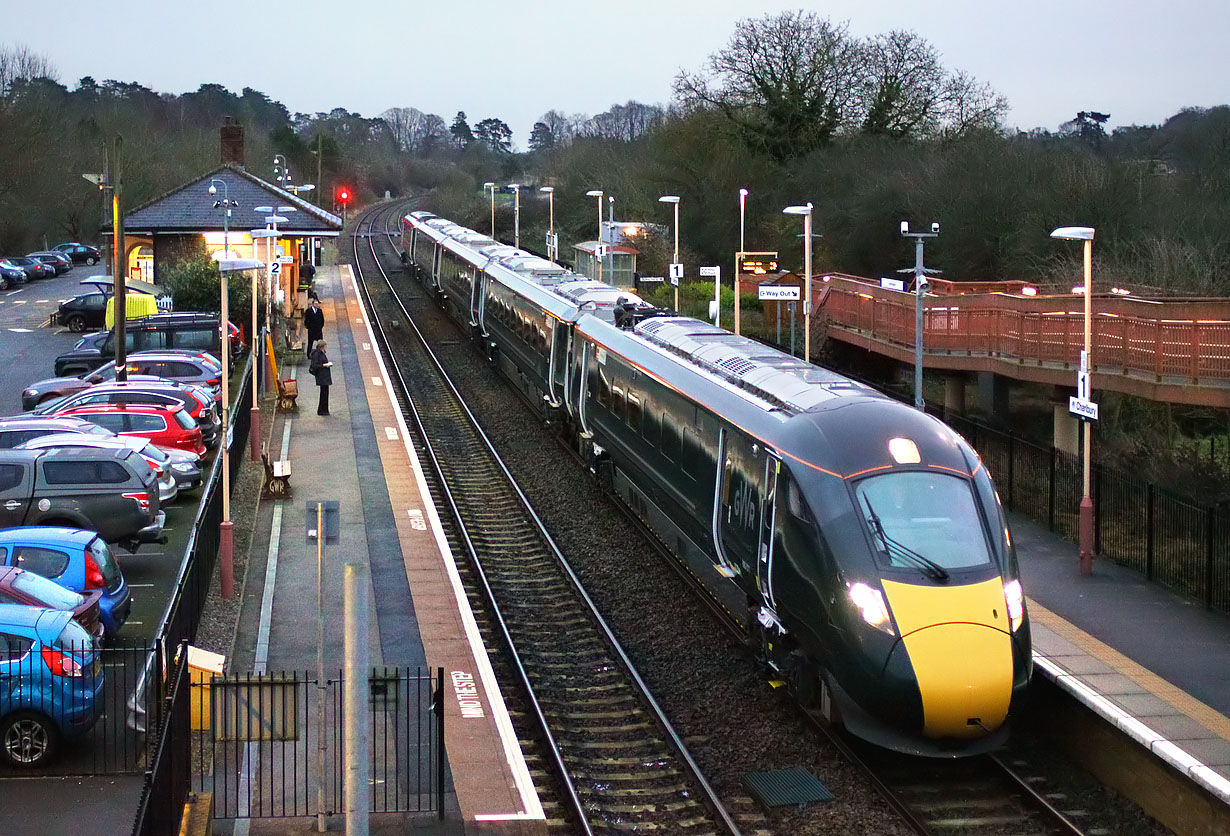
(903, 85)
(20, 62)
(970, 105)
(788, 81)
(623, 122)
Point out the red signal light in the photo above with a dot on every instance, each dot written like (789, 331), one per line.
(343, 195)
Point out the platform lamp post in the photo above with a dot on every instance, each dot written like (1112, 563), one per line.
(674, 199)
(280, 171)
(598, 194)
(921, 286)
(739, 255)
(491, 187)
(552, 250)
(1085, 233)
(805, 211)
(516, 187)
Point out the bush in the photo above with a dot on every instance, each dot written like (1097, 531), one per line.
(195, 284)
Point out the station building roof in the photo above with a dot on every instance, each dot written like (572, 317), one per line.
(190, 208)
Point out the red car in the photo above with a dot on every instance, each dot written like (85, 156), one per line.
(17, 586)
(167, 425)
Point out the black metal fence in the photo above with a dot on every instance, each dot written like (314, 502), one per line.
(169, 776)
(264, 751)
(1171, 539)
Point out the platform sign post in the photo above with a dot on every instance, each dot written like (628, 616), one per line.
(778, 293)
(716, 272)
(323, 526)
(676, 273)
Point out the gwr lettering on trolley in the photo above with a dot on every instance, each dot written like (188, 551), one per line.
(467, 695)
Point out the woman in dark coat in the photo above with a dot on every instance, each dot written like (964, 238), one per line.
(321, 370)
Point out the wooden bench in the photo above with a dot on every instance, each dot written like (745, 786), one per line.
(288, 394)
(277, 477)
(294, 347)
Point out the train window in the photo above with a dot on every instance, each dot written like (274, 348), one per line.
(923, 520)
(797, 504)
(671, 440)
(634, 412)
(603, 389)
(694, 460)
(617, 402)
(650, 427)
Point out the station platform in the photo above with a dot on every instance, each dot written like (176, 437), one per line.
(360, 456)
(1155, 665)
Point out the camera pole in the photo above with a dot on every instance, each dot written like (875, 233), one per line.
(920, 287)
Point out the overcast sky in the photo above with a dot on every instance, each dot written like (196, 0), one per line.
(1139, 62)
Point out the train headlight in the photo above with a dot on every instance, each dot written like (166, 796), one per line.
(871, 604)
(1015, 598)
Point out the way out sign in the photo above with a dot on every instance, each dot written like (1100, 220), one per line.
(777, 293)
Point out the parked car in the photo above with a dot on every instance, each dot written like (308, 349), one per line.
(76, 559)
(158, 461)
(17, 586)
(20, 429)
(58, 261)
(79, 252)
(198, 368)
(112, 492)
(10, 276)
(52, 682)
(81, 313)
(33, 269)
(168, 426)
(195, 331)
(146, 390)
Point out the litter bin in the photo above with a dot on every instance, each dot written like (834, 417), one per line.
(203, 666)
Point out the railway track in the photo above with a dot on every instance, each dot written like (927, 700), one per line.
(619, 761)
(983, 796)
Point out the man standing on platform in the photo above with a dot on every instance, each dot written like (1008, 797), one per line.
(314, 322)
(320, 368)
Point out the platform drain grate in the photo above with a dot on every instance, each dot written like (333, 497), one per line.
(786, 787)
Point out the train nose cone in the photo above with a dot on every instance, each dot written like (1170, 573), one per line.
(959, 647)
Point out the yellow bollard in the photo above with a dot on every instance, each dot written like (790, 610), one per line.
(203, 666)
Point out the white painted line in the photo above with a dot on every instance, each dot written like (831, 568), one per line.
(135, 622)
(359, 320)
(417, 521)
(286, 439)
(140, 585)
(44, 301)
(499, 712)
(20, 330)
(367, 346)
(261, 662)
(18, 290)
(20, 301)
(377, 382)
(391, 433)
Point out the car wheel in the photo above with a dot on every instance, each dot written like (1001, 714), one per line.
(28, 739)
(4, 282)
(75, 323)
(91, 260)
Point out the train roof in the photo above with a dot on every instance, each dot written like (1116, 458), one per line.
(779, 378)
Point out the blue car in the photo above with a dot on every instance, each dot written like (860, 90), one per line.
(51, 682)
(74, 558)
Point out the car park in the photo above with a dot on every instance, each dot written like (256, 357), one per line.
(168, 426)
(194, 331)
(112, 492)
(76, 559)
(159, 462)
(197, 368)
(147, 390)
(33, 269)
(17, 586)
(79, 252)
(57, 261)
(52, 679)
(83, 312)
(20, 429)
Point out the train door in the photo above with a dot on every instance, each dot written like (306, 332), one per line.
(583, 390)
(723, 484)
(768, 511)
(557, 380)
(478, 301)
(435, 266)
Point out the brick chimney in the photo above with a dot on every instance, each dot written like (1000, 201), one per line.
(232, 142)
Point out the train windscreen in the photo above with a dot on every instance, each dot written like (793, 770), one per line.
(926, 521)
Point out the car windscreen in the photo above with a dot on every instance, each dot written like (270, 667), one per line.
(919, 519)
(49, 592)
(107, 564)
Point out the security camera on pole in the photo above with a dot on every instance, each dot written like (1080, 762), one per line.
(921, 286)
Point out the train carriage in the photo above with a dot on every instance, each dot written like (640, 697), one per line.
(859, 542)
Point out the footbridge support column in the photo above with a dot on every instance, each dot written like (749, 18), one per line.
(954, 395)
(993, 392)
(1067, 428)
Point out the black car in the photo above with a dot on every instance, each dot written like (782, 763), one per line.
(10, 276)
(199, 331)
(84, 312)
(79, 252)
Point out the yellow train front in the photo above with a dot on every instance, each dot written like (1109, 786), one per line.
(895, 602)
